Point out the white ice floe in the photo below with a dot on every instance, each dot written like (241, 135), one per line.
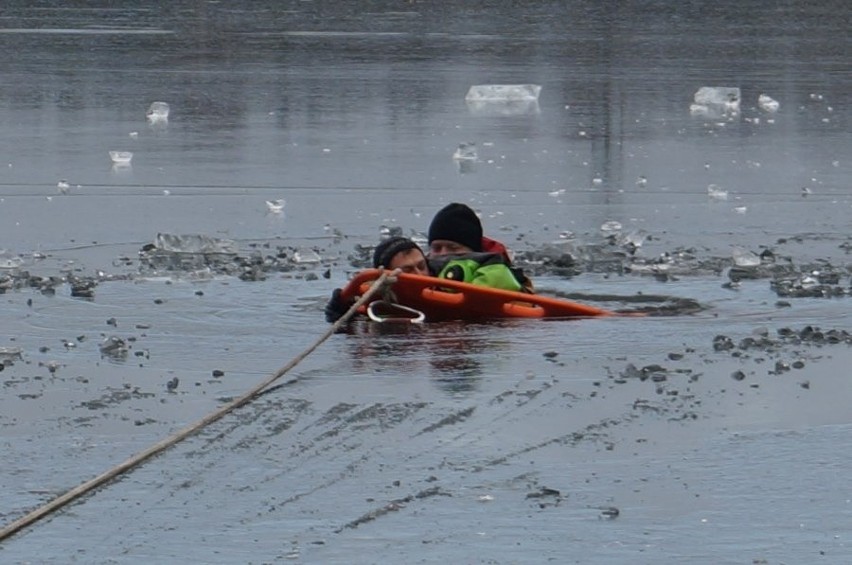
(720, 95)
(716, 101)
(276, 206)
(503, 99)
(767, 103)
(306, 256)
(465, 152)
(63, 186)
(496, 92)
(745, 258)
(611, 227)
(158, 112)
(121, 157)
(716, 193)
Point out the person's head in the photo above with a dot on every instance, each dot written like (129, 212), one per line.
(454, 230)
(400, 253)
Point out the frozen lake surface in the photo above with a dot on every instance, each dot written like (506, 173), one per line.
(717, 433)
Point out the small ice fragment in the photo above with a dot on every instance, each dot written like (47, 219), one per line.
(306, 256)
(716, 101)
(386, 232)
(113, 346)
(634, 240)
(558, 192)
(597, 181)
(8, 260)
(641, 181)
(63, 186)
(158, 112)
(486, 498)
(504, 92)
(741, 209)
(276, 206)
(745, 258)
(134, 134)
(716, 193)
(194, 243)
(465, 152)
(718, 96)
(805, 191)
(503, 99)
(611, 227)
(121, 157)
(10, 354)
(767, 103)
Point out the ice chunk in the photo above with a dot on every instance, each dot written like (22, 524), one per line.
(611, 227)
(718, 95)
(158, 112)
(63, 186)
(185, 253)
(121, 157)
(716, 193)
(745, 258)
(503, 99)
(9, 260)
(767, 103)
(276, 206)
(8, 355)
(503, 92)
(306, 256)
(465, 152)
(194, 243)
(114, 347)
(716, 101)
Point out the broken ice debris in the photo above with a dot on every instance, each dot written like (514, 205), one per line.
(194, 243)
(121, 157)
(503, 99)
(611, 227)
(716, 101)
(465, 152)
(8, 260)
(767, 103)
(306, 256)
(745, 258)
(716, 193)
(494, 92)
(276, 206)
(158, 112)
(721, 95)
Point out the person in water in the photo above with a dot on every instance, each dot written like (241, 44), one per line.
(459, 251)
(392, 253)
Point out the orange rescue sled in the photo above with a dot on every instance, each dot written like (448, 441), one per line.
(444, 299)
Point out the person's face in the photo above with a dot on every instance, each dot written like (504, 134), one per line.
(440, 247)
(411, 261)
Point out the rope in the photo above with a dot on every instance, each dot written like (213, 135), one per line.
(386, 278)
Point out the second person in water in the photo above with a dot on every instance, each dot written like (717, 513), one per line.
(459, 251)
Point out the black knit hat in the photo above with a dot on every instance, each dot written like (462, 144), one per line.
(384, 251)
(457, 222)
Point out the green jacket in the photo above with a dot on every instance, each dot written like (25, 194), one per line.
(485, 269)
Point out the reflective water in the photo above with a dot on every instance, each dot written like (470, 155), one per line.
(353, 114)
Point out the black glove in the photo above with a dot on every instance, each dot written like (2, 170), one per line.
(335, 307)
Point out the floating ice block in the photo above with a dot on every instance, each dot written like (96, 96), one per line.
(503, 92)
(718, 96)
(121, 157)
(158, 112)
